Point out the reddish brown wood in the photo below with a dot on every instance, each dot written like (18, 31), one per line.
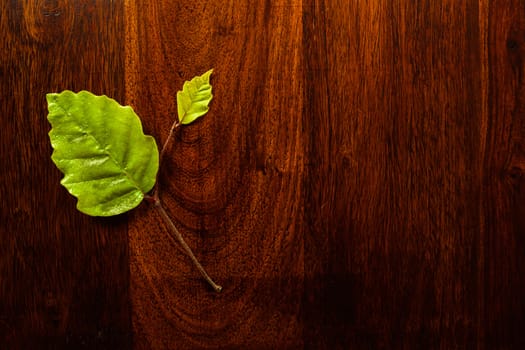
(64, 277)
(232, 182)
(395, 187)
(503, 192)
(358, 182)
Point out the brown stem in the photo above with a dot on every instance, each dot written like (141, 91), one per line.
(178, 236)
(174, 233)
(173, 128)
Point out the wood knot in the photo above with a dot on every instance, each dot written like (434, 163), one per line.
(515, 173)
(512, 44)
(48, 21)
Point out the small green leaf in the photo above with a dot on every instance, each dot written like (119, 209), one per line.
(107, 161)
(193, 100)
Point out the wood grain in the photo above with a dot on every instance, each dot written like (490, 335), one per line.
(64, 277)
(357, 184)
(395, 187)
(503, 192)
(232, 182)
(406, 95)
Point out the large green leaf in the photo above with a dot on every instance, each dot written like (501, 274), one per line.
(193, 100)
(107, 161)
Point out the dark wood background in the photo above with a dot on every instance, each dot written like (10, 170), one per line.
(359, 182)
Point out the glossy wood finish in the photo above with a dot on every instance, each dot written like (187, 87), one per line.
(237, 193)
(358, 182)
(64, 276)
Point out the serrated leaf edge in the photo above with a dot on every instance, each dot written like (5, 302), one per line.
(137, 188)
(201, 80)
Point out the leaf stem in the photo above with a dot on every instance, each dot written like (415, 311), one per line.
(178, 236)
(174, 127)
(174, 233)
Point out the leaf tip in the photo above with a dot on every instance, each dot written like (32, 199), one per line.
(194, 98)
(206, 76)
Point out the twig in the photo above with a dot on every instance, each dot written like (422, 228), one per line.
(174, 233)
(173, 128)
(178, 236)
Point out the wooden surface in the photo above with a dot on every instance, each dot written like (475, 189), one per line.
(359, 182)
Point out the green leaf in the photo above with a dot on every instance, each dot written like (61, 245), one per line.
(193, 100)
(107, 161)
